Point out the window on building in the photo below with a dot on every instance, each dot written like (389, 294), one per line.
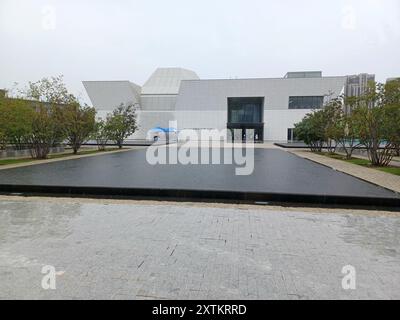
(306, 102)
(245, 110)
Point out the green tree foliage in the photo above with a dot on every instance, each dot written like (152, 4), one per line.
(101, 134)
(393, 126)
(343, 128)
(122, 123)
(371, 120)
(43, 116)
(318, 128)
(374, 125)
(15, 121)
(78, 123)
(50, 90)
(311, 131)
(45, 132)
(392, 102)
(48, 97)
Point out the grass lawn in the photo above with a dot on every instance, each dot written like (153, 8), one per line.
(69, 153)
(362, 162)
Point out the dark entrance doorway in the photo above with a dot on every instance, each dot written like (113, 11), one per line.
(249, 133)
(291, 135)
(245, 119)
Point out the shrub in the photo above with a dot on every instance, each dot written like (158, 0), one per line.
(77, 123)
(122, 123)
(101, 134)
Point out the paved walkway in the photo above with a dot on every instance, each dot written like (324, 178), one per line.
(386, 180)
(103, 249)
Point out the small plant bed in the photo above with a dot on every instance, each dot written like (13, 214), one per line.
(361, 162)
(68, 153)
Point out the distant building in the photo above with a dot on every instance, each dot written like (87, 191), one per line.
(356, 85)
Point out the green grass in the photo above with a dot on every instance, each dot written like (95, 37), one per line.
(362, 162)
(69, 153)
(4, 162)
(392, 170)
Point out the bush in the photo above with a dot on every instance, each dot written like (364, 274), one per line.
(376, 124)
(101, 134)
(77, 123)
(373, 121)
(121, 123)
(45, 132)
(316, 129)
(15, 121)
(2, 140)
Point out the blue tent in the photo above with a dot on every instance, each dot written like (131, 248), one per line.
(165, 130)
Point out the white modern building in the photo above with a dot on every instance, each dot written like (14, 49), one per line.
(252, 109)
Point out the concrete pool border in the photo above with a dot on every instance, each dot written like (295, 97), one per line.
(201, 195)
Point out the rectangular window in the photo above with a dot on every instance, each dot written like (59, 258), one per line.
(245, 110)
(306, 102)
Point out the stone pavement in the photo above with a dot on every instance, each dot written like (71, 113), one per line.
(103, 249)
(386, 180)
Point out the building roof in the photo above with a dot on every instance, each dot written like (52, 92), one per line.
(167, 80)
(304, 74)
(106, 95)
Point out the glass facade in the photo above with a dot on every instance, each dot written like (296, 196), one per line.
(245, 119)
(245, 110)
(306, 102)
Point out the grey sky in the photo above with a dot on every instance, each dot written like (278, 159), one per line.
(127, 40)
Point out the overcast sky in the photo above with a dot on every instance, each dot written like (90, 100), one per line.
(128, 39)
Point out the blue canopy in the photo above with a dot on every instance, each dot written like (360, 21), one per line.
(159, 129)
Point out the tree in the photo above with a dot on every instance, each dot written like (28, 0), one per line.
(47, 96)
(15, 121)
(330, 116)
(311, 130)
(374, 124)
(317, 129)
(3, 123)
(344, 128)
(122, 123)
(392, 115)
(3, 140)
(392, 101)
(101, 134)
(44, 132)
(78, 123)
(50, 90)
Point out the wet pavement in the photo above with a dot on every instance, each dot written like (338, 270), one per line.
(275, 171)
(140, 250)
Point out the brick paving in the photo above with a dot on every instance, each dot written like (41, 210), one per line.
(105, 249)
(386, 180)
